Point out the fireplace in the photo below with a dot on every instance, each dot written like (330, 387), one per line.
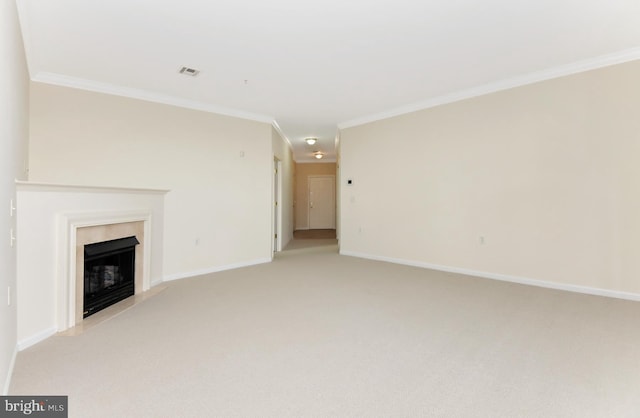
(109, 273)
(56, 222)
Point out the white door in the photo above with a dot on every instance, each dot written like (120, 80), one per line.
(322, 202)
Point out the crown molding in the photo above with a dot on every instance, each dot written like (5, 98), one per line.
(275, 125)
(556, 72)
(23, 18)
(140, 94)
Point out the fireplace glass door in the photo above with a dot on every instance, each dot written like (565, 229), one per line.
(109, 270)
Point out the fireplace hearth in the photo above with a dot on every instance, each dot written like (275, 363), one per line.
(109, 273)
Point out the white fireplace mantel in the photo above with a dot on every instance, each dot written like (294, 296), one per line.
(48, 219)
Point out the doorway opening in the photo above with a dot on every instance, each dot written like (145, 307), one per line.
(315, 209)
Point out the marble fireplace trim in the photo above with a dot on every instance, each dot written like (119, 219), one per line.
(78, 229)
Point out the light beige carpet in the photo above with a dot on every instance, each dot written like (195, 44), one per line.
(310, 244)
(316, 334)
(314, 234)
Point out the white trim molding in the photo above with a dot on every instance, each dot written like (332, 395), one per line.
(275, 125)
(518, 81)
(501, 277)
(12, 364)
(36, 338)
(54, 187)
(146, 95)
(216, 269)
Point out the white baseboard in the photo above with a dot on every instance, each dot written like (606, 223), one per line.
(154, 283)
(7, 382)
(502, 277)
(36, 338)
(216, 269)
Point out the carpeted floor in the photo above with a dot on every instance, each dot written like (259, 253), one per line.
(311, 241)
(314, 234)
(316, 334)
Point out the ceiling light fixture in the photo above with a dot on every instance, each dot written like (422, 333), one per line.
(318, 155)
(311, 141)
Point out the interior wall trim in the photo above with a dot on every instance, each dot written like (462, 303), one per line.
(36, 338)
(12, 363)
(146, 95)
(518, 81)
(502, 277)
(216, 269)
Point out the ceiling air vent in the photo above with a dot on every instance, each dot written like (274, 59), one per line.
(189, 71)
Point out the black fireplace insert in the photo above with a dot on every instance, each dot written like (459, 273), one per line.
(109, 273)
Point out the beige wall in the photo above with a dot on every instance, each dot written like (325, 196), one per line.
(217, 168)
(538, 182)
(14, 113)
(303, 171)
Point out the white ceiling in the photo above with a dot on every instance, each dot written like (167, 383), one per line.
(314, 66)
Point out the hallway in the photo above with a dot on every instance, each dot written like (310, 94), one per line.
(312, 238)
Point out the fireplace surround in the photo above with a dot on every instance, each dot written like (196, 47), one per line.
(90, 228)
(49, 219)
